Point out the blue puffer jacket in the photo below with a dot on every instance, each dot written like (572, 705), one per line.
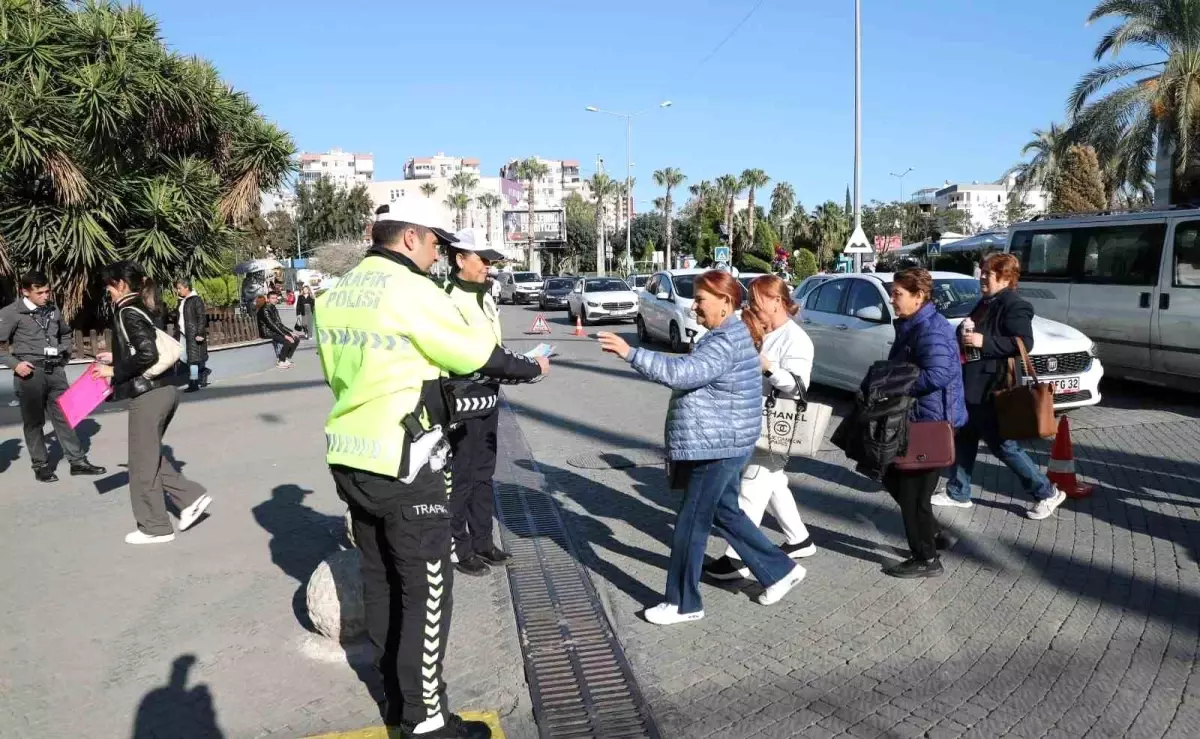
(927, 340)
(716, 409)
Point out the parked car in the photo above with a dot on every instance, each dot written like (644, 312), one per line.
(602, 299)
(555, 291)
(638, 282)
(665, 309)
(520, 287)
(1130, 281)
(745, 278)
(849, 319)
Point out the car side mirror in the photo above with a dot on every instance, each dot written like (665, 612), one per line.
(871, 313)
(663, 296)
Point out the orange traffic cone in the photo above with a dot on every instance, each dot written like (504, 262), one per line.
(578, 327)
(1061, 469)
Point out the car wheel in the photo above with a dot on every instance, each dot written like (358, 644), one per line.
(570, 314)
(643, 337)
(584, 316)
(677, 344)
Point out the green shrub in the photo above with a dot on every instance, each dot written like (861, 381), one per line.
(803, 265)
(218, 292)
(751, 263)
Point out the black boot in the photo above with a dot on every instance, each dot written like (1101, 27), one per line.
(472, 565)
(455, 728)
(193, 386)
(204, 373)
(910, 568)
(495, 556)
(84, 467)
(44, 474)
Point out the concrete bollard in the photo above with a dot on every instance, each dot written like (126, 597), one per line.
(335, 597)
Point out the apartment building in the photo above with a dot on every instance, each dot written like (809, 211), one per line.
(339, 167)
(439, 166)
(986, 201)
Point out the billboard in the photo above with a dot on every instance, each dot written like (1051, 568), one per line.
(547, 226)
(511, 191)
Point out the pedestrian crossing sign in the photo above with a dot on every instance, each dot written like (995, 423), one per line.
(539, 325)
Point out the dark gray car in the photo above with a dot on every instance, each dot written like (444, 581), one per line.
(555, 291)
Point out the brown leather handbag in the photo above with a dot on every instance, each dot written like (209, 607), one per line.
(930, 447)
(1024, 410)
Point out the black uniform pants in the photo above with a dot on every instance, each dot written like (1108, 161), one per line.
(38, 395)
(403, 534)
(472, 502)
(913, 490)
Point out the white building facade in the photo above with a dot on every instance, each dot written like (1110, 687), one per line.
(339, 167)
(986, 202)
(439, 166)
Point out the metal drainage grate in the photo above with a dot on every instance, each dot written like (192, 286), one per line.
(580, 682)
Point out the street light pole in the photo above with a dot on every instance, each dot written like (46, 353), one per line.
(901, 177)
(628, 170)
(857, 125)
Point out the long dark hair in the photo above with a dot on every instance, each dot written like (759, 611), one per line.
(133, 275)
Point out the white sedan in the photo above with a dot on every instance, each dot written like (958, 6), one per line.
(849, 319)
(602, 299)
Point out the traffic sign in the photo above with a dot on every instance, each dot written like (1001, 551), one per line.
(722, 254)
(934, 249)
(539, 325)
(858, 243)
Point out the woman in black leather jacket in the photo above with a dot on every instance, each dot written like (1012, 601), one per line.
(152, 404)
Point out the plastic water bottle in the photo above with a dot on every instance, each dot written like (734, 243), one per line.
(970, 352)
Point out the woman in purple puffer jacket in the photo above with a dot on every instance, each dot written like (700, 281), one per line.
(925, 338)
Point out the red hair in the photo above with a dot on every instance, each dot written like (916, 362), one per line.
(762, 289)
(721, 285)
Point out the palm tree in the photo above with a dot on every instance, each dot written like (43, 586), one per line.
(729, 187)
(669, 178)
(603, 187)
(783, 199)
(489, 201)
(464, 182)
(1047, 146)
(702, 193)
(115, 147)
(458, 202)
(831, 227)
(1152, 113)
(753, 179)
(429, 189)
(625, 201)
(531, 170)
(800, 225)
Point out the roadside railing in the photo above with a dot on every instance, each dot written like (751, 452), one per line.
(224, 329)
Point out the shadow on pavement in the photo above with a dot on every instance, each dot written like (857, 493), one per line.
(605, 436)
(10, 452)
(176, 711)
(300, 538)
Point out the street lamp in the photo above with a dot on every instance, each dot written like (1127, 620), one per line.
(628, 179)
(901, 177)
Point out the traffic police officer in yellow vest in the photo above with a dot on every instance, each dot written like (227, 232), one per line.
(474, 441)
(387, 337)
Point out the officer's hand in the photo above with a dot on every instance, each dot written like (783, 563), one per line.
(544, 363)
(24, 369)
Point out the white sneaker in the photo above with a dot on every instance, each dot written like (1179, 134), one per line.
(944, 499)
(192, 513)
(138, 537)
(665, 614)
(775, 593)
(1043, 508)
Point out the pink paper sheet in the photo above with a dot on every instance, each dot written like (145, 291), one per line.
(83, 397)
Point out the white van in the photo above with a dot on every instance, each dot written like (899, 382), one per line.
(1130, 281)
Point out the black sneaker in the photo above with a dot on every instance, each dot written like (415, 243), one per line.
(910, 568)
(472, 566)
(805, 548)
(455, 728)
(44, 474)
(727, 568)
(193, 387)
(944, 540)
(495, 556)
(86, 468)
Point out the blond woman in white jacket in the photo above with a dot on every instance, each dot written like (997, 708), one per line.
(786, 354)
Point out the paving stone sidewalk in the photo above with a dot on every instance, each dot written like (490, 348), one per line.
(203, 637)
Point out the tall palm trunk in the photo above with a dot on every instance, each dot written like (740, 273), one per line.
(729, 227)
(667, 253)
(750, 217)
(529, 257)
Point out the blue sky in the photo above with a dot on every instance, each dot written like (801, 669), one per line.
(950, 87)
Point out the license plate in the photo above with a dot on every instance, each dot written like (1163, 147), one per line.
(1064, 385)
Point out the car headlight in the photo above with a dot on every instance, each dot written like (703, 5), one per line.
(593, 305)
(1092, 350)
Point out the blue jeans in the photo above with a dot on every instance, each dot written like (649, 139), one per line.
(711, 502)
(981, 424)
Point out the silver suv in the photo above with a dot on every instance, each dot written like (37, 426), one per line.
(519, 287)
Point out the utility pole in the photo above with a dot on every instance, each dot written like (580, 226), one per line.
(858, 244)
(600, 250)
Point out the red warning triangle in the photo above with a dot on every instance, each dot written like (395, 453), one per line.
(539, 325)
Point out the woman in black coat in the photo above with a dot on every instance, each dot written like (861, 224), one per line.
(193, 334)
(989, 339)
(304, 311)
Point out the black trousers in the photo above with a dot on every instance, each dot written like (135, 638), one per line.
(913, 490)
(38, 395)
(285, 349)
(472, 502)
(403, 534)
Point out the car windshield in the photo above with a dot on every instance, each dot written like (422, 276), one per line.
(606, 285)
(559, 284)
(685, 286)
(953, 298)
(527, 277)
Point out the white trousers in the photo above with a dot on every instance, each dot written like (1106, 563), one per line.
(766, 485)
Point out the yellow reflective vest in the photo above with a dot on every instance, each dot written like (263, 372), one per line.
(477, 306)
(386, 335)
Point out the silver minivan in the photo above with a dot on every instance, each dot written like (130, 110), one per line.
(1130, 281)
